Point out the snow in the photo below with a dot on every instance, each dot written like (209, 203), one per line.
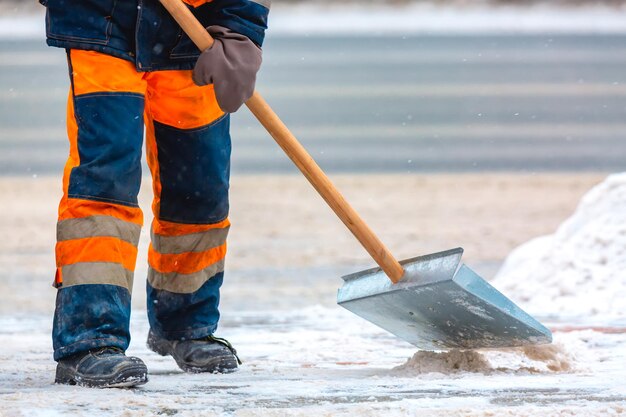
(556, 357)
(303, 359)
(579, 271)
(324, 361)
(413, 18)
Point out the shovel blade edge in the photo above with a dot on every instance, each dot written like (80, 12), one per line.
(440, 304)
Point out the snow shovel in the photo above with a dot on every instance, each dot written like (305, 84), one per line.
(433, 301)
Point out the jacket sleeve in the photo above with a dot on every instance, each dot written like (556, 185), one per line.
(248, 17)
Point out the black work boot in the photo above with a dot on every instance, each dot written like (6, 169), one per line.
(209, 354)
(106, 367)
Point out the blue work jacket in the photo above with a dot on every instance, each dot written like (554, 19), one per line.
(143, 32)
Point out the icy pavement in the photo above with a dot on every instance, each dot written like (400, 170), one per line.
(324, 361)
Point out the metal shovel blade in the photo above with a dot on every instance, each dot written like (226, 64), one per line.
(440, 304)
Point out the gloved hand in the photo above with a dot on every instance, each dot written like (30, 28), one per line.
(230, 65)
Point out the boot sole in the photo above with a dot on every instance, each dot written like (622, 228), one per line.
(126, 378)
(225, 365)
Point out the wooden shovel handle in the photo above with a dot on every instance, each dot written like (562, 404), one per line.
(296, 152)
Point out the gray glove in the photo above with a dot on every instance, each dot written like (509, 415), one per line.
(230, 65)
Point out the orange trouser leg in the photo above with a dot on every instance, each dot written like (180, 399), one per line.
(188, 145)
(99, 219)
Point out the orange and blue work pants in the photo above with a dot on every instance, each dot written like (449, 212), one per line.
(188, 152)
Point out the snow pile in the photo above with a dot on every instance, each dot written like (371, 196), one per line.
(554, 358)
(581, 269)
(453, 361)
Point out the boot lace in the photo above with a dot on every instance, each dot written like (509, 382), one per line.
(107, 350)
(225, 343)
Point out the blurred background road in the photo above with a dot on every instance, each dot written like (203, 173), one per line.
(390, 104)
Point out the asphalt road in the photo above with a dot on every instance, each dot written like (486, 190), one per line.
(389, 104)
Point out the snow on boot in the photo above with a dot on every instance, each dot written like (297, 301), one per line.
(106, 367)
(209, 354)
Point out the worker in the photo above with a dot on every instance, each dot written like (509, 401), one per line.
(131, 68)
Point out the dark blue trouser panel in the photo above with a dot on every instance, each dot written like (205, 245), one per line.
(110, 136)
(185, 316)
(195, 170)
(89, 317)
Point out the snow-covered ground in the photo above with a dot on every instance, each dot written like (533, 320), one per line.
(417, 18)
(305, 356)
(324, 361)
